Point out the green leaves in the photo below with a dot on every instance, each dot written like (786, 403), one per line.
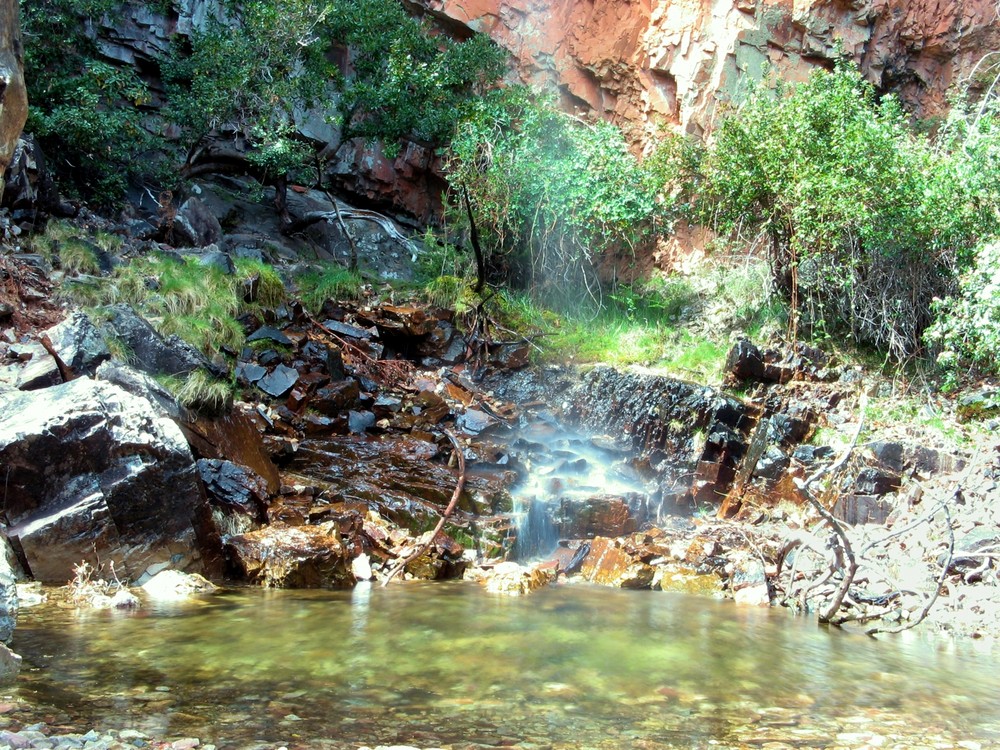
(865, 221)
(550, 193)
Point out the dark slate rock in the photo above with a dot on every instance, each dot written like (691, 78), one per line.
(151, 352)
(215, 258)
(268, 333)
(195, 225)
(772, 464)
(336, 397)
(872, 481)
(474, 421)
(96, 474)
(249, 373)
(359, 421)
(279, 381)
(234, 487)
(345, 329)
(268, 357)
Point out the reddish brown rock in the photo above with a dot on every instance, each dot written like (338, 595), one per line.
(610, 564)
(300, 557)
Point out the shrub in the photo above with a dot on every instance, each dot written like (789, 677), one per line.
(966, 329)
(864, 222)
(549, 194)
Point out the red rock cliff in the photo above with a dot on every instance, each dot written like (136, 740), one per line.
(643, 62)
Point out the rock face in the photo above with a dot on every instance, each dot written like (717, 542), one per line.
(96, 474)
(643, 63)
(13, 97)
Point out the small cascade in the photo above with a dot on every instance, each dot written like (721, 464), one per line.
(572, 486)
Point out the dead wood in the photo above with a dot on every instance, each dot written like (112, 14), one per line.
(65, 372)
(429, 538)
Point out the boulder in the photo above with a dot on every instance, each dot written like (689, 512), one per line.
(512, 579)
(139, 384)
(94, 473)
(292, 557)
(171, 585)
(151, 352)
(608, 563)
(9, 603)
(234, 487)
(195, 226)
(10, 664)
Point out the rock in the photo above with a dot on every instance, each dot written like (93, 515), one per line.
(744, 361)
(212, 257)
(40, 370)
(609, 564)
(599, 515)
(299, 557)
(234, 487)
(279, 381)
(981, 403)
(358, 422)
(124, 599)
(13, 96)
(171, 585)
(139, 384)
(361, 567)
(511, 356)
(10, 666)
(474, 421)
(97, 474)
(268, 333)
(249, 373)
(149, 351)
(233, 437)
(9, 603)
(194, 226)
(336, 397)
(748, 581)
(512, 579)
(79, 343)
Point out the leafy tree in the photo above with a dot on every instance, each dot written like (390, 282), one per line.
(864, 222)
(265, 61)
(549, 193)
(85, 112)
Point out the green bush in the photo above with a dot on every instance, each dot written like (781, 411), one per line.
(864, 222)
(966, 329)
(549, 194)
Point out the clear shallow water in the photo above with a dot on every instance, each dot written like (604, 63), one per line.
(447, 665)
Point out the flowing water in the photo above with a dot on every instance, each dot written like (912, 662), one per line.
(448, 665)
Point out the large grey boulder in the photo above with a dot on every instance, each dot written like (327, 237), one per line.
(94, 473)
(13, 96)
(148, 350)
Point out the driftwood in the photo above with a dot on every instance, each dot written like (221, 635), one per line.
(429, 538)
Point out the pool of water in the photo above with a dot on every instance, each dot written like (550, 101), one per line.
(448, 665)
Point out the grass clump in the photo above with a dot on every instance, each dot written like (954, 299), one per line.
(200, 390)
(327, 282)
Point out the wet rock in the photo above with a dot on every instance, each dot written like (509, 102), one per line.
(744, 361)
(212, 257)
(361, 567)
(686, 580)
(234, 437)
(79, 343)
(358, 422)
(511, 579)
(474, 421)
(608, 563)
(234, 487)
(336, 397)
(600, 515)
(171, 585)
(279, 381)
(267, 333)
(9, 603)
(150, 352)
(139, 384)
(511, 356)
(299, 557)
(94, 473)
(249, 373)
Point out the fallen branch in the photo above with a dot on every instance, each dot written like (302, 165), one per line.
(65, 372)
(429, 538)
(940, 582)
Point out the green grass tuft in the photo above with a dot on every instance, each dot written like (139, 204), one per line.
(330, 282)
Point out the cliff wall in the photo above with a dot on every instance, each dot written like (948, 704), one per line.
(645, 62)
